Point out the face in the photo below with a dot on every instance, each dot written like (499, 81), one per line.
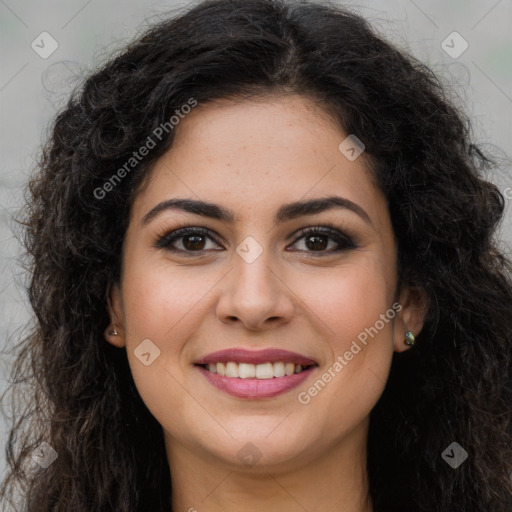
(299, 294)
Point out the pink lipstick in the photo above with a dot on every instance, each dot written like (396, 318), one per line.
(255, 374)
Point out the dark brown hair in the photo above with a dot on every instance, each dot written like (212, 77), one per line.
(75, 391)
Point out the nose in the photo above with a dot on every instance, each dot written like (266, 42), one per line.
(255, 296)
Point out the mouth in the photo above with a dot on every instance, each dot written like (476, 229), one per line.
(255, 374)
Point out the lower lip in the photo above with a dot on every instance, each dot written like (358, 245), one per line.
(256, 388)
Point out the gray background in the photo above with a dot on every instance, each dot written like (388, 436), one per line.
(33, 88)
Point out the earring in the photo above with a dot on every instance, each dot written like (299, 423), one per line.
(409, 336)
(113, 332)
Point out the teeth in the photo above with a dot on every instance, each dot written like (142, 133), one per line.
(231, 370)
(265, 371)
(279, 369)
(246, 371)
(258, 371)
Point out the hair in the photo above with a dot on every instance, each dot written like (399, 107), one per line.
(75, 391)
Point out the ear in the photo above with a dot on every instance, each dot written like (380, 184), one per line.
(414, 302)
(115, 312)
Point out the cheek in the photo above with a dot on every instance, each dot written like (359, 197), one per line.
(349, 304)
(163, 306)
(351, 297)
(159, 300)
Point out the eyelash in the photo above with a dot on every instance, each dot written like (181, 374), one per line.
(344, 241)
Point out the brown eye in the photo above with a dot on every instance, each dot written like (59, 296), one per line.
(188, 240)
(316, 242)
(324, 240)
(193, 242)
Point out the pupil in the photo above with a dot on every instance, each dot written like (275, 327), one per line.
(197, 239)
(319, 242)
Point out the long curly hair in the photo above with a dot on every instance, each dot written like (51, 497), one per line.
(73, 390)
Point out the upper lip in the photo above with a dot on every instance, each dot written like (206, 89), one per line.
(269, 355)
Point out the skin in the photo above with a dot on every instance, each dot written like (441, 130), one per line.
(252, 157)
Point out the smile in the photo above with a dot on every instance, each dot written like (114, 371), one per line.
(255, 374)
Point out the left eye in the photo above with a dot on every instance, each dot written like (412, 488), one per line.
(317, 240)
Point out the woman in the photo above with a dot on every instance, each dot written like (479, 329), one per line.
(265, 278)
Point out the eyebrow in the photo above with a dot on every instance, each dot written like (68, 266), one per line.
(286, 212)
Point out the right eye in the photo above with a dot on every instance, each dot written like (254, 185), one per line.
(191, 239)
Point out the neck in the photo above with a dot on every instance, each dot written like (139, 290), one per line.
(332, 482)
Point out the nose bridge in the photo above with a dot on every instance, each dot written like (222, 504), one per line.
(253, 270)
(255, 292)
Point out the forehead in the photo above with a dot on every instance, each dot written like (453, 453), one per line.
(257, 155)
